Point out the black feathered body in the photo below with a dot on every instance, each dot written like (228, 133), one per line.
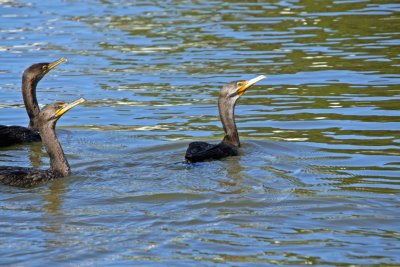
(25, 177)
(11, 135)
(201, 151)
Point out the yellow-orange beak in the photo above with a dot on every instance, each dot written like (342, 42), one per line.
(247, 84)
(54, 64)
(65, 107)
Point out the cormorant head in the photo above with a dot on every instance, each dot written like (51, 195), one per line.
(37, 71)
(52, 112)
(233, 90)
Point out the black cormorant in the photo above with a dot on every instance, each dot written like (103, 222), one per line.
(229, 94)
(10, 135)
(59, 167)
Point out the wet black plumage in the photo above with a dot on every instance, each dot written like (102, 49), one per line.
(11, 135)
(200, 151)
(229, 146)
(25, 177)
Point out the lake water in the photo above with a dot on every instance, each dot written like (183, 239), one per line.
(317, 181)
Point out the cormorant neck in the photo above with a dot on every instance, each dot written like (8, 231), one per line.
(226, 109)
(58, 161)
(31, 105)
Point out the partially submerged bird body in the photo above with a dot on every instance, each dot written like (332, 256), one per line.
(11, 135)
(25, 177)
(229, 146)
(200, 151)
(59, 166)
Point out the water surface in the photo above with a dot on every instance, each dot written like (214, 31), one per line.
(317, 181)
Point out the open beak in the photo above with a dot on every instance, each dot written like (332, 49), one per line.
(67, 107)
(247, 84)
(55, 64)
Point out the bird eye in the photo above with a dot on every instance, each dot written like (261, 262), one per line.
(44, 67)
(239, 84)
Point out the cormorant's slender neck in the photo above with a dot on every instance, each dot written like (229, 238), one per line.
(31, 105)
(58, 161)
(226, 109)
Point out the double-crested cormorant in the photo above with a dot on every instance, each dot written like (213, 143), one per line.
(59, 167)
(10, 135)
(229, 94)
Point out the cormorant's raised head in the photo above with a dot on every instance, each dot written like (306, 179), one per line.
(37, 71)
(233, 90)
(53, 112)
(228, 96)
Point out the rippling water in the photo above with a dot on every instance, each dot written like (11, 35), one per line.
(317, 181)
